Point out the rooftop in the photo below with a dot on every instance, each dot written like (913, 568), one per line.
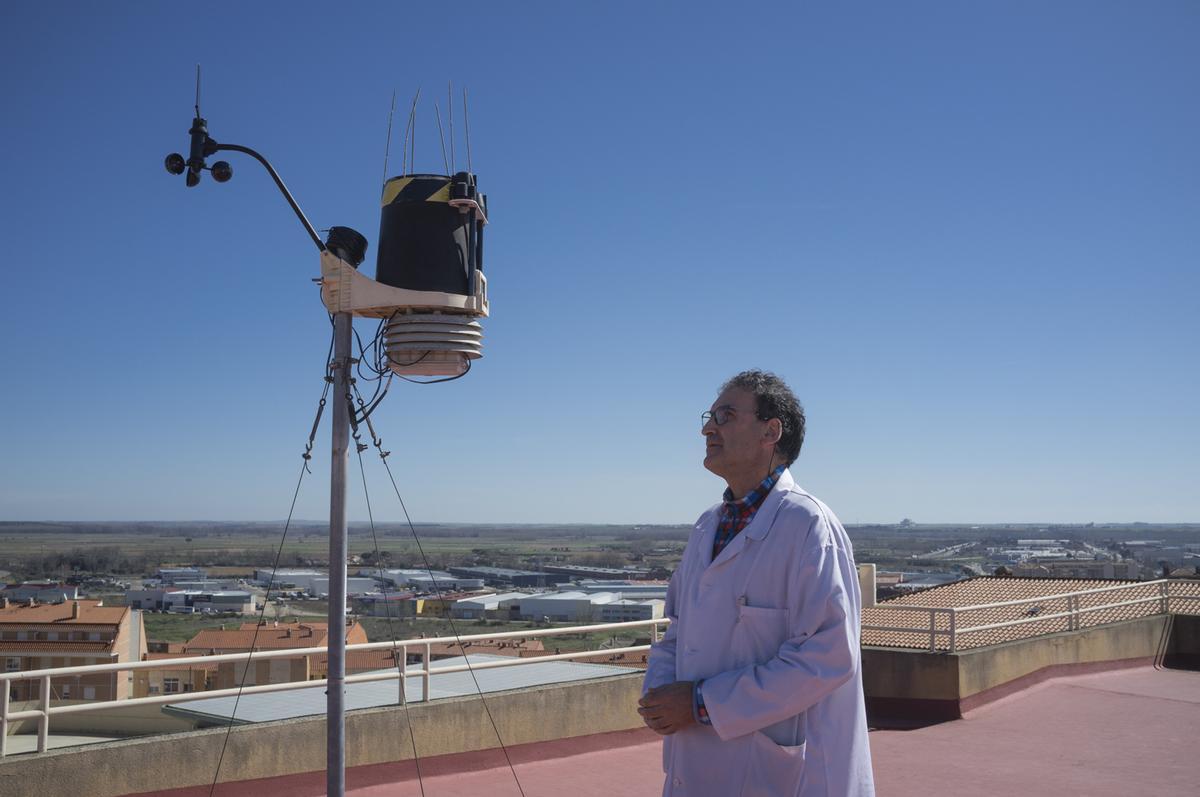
(1057, 738)
(266, 637)
(1111, 733)
(265, 707)
(987, 590)
(90, 613)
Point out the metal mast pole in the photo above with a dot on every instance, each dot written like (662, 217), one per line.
(335, 720)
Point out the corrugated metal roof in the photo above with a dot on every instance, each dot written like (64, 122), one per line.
(307, 702)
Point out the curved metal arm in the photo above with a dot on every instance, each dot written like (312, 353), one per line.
(215, 147)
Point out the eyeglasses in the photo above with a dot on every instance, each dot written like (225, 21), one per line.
(721, 415)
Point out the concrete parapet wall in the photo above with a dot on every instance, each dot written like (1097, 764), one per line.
(919, 686)
(116, 720)
(1139, 641)
(373, 736)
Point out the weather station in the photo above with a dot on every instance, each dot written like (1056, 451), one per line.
(428, 297)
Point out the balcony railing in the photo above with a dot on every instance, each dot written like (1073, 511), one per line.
(45, 710)
(954, 628)
(933, 628)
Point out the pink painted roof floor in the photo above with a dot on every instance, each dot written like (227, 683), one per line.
(1113, 733)
(1121, 732)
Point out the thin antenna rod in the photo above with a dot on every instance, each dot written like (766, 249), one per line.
(442, 138)
(387, 148)
(409, 130)
(197, 89)
(450, 111)
(404, 143)
(412, 157)
(467, 128)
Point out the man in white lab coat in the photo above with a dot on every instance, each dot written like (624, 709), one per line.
(756, 685)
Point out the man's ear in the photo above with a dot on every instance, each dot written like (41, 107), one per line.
(774, 431)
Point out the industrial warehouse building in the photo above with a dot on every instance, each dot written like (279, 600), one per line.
(503, 576)
(314, 582)
(425, 580)
(563, 607)
(478, 606)
(174, 599)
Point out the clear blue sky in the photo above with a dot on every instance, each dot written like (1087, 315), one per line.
(968, 234)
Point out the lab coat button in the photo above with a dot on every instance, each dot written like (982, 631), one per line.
(677, 782)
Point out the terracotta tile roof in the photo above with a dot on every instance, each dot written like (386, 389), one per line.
(200, 664)
(985, 590)
(501, 647)
(15, 646)
(637, 660)
(356, 661)
(76, 628)
(294, 626)
(90, 613)
(269, 637)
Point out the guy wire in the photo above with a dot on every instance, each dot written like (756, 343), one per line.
(453, 628)
(259, 624)
(401, 666)
(267, 595)
(450, 111)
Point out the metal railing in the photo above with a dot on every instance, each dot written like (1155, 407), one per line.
(45, 710)
(1069, 611)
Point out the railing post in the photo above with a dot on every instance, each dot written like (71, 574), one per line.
(953, 630)
(1163, 594)
(4, 718)
(933, 630)
(403, 666)
(425, 675)
(44, 720)
(1073, 609)
(654, 633)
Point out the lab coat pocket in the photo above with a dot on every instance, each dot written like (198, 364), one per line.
(774, 769)
(759, 633)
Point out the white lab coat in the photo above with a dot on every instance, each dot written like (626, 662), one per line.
(772, 627)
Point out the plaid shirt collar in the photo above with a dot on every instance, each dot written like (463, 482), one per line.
(756, 495)
(736, 515)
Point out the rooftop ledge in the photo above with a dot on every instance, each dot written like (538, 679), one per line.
(1103, 734)
(1028, 688)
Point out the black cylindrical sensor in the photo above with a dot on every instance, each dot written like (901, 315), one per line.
(423, 243)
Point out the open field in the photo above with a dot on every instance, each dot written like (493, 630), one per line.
(130, 550)
(181, 628)
(234, 549)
